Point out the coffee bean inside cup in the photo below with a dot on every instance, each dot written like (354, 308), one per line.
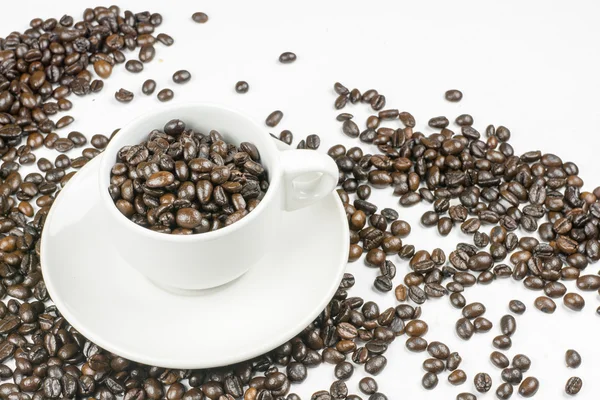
(181, 181)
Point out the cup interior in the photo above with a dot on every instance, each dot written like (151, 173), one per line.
(235, 127)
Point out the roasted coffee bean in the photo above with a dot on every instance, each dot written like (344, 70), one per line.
(287, 57)
(473, 310)
(453, 95)
(457, 377)
(464, 328)
(499, 359)
(517, 307)
(504, 391)
(482, 382)
(574, 301)
(242, 87)
(438, 350)
(545, 304)
(368, 385)
(508, 325)
(181, 76)
(429, 380)
(199, 17)
(588, 282)
(124, 96)
(529, 387)
(466, 396)
(573, 386)
(134, 66)
(148, 87)
(375, 364)
(502, 342)
(572, 359)
(165, 95)
(274, 118)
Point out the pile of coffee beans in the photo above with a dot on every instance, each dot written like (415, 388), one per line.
(473, 181)
(182, 182)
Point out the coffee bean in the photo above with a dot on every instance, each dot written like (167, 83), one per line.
(574, 301)
(466, 396)
(545, 304)
(473, 310)
(457, 300)
(438, 350)
(134, 66)
(147, 53)
(588, 282)
(368, 385)
(165, 95)
(287, 57)
(182, 76)
(416, 344)
(521, 362)
(572, 359)
(502, 342)
(375, 364)
(517, 307)
(464, 328)
(148, 87)
(416, 327)
(529, 387)
(165, 39)
(199, 17)
(453, 95)
(457, 377)
(242, 87)
(499, 359)
(482, 382)
(508, 325)
(504, 391)
(429, 381)
(573, 386)
(124, 96)
(274, 118)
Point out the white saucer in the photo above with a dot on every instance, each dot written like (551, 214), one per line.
(114, 306)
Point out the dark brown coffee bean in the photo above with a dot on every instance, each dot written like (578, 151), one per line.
(517, 307)
(502, 342)
(287, 57)
(499, 359)
(529, 387)
(466, 396)
(574, 301)
(508, 325)
(182, 76)
(429, 381)
(453, 95)
(545, 304)
(573, 386)
(368, 385)
(572, 359)
(242, 87)
(416, 344)
(588, 282)
(464, 328)
(199, 17)
(148, 87)
(457, 377)
(521, 362)
(482, 382)
(124, 96)
(375, 364)
(165, 95)
(473, 310)
(134, 66)
(504, 391)
(274, 118)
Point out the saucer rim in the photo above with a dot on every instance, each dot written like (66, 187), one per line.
(253, 351)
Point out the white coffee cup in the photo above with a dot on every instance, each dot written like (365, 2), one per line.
(183, 263)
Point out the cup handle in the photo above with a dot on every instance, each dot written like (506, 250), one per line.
(308, 176)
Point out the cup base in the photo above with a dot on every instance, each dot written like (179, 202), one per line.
(193, 292)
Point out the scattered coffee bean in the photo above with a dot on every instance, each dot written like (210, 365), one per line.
(572, 358)
(573, 386)
(482, 382)
(545, 304)
(148, 87)
(200, 17)
(124, 96)
(242, 87)
(274, 118)
(453, 95)
(165, 95)
(287, 57)
(182, 76)
(529, 387)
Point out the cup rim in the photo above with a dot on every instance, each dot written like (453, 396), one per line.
(107, 162)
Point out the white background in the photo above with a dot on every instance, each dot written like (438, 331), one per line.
(531, 66)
